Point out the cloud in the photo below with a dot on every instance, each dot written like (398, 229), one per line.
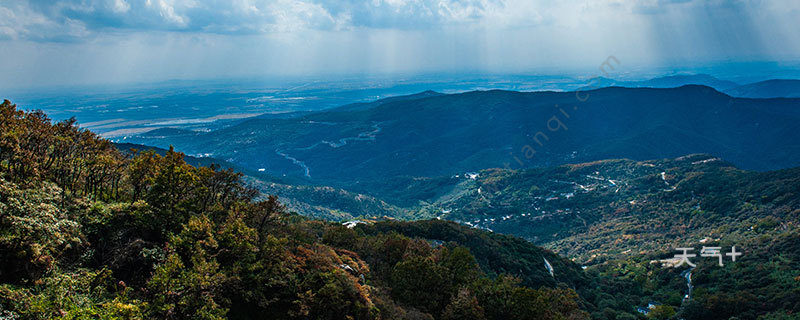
(233, 17)
(414, 14)
(19, 21)
(60, 20)
(98, 41)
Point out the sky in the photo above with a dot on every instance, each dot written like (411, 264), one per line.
(85, 42)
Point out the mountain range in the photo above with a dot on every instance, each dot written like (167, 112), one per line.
(671, 81)
(432, 134)
(772, 88)
(775, 88)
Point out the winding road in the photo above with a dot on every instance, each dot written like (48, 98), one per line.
(363, 136)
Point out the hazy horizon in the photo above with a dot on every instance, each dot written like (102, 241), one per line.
(74, 43)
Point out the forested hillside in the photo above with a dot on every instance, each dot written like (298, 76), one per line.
(598, 210)
(87, 232)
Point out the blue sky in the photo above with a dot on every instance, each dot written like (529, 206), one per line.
(77, 42)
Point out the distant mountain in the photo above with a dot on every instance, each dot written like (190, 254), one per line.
(369, 105)
(682, 80)
(672, 81)
(787, 88)
(447, 134)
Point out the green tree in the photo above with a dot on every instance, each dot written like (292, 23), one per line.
(661, 312)
(464, 306)
(422, 283)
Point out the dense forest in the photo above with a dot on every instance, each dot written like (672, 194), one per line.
(91, 232)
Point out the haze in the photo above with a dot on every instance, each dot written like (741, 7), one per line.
(80, 42)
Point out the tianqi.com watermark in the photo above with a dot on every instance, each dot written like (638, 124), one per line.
(555, 123)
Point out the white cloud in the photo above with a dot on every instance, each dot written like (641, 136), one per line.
(120, 6)
(167, 11)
